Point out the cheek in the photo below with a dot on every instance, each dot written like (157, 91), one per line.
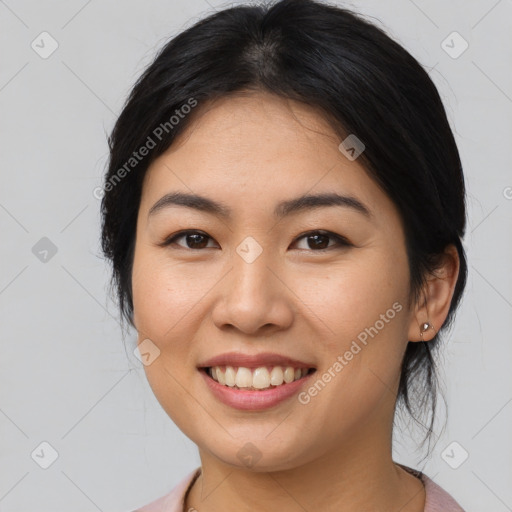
(362, 316)
(164, 294)
(167, 310)
(351, 297)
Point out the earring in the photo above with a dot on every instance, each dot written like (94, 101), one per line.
(425, 327)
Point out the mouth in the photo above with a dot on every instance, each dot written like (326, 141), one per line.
(255, 382)
(259, 378)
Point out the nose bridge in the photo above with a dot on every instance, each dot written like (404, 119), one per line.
(251, 286)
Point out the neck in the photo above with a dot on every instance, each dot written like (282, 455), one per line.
(359, 476)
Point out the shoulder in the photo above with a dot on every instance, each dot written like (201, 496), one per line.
(174, 501)
(436, 498)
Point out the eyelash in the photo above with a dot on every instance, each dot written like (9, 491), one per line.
(340, 241)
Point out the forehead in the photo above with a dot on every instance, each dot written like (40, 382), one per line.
(258, 148)
(255, 122)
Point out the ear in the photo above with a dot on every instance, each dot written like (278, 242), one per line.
(437, 293)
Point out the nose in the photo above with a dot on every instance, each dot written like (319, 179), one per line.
(252, 299)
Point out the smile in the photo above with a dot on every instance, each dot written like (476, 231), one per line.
(253, 398)
(260, 378)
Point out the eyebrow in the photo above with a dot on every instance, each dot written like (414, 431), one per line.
(284, 208)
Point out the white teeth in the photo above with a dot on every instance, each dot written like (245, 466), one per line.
(256, 378)
(243, 377)
(260, 378)
(220, 376)
(276, 376)
(230, 375)
(289, 374)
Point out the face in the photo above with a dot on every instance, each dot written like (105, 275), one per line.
(252, 275)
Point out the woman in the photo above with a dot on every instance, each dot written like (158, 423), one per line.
(283, 210)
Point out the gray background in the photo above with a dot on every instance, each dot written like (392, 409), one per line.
(65, 376)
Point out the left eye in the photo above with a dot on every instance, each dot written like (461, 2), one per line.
(320, 240)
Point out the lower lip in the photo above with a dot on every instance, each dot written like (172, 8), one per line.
(254, 400)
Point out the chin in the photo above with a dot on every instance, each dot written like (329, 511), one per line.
(257, 454)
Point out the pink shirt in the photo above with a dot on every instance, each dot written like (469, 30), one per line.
(437, 499)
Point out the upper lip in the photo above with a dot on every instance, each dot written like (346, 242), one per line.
(253, 361)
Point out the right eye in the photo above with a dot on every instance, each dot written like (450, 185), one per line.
(193, 240)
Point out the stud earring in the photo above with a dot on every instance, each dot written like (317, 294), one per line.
(425, 327)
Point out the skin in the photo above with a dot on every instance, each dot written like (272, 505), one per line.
(250, 152)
